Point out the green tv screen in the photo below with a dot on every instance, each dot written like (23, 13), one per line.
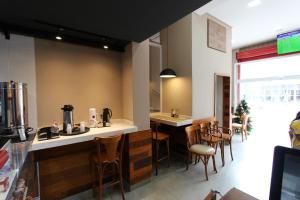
(288, 42)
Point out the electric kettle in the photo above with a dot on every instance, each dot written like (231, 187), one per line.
(106, 115)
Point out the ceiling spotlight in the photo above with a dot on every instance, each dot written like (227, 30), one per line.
(58, 37)
(105, 47)
(254, 3)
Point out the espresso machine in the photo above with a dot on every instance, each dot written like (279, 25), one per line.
(13, 110)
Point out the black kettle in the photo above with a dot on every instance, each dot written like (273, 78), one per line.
(106, 115)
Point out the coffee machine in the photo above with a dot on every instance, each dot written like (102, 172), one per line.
(13, 110)
(106, 116)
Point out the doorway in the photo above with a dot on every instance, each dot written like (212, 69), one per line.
(272, 89)
(222, 100)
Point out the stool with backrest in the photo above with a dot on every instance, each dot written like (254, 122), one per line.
(241, 127)
(202, 151)
(108, 156)
(158, 138)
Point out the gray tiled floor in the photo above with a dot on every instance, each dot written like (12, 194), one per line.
(250, 171)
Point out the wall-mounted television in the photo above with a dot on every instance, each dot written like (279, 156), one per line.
(288, 42)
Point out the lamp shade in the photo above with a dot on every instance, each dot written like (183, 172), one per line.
(167, 73)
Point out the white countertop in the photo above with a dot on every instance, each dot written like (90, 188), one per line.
(165, 118)
(117, 126)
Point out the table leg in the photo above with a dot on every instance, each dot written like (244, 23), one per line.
(222, 152)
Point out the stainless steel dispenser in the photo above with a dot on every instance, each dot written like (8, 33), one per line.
(13, 110)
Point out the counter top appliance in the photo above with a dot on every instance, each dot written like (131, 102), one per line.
(106, 116)
(13, 110)
(68, 117)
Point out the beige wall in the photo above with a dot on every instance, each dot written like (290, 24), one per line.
(155, 80)
(206, 63)
(127, 87)
(82, 76)
(177, 92)
(17, 62)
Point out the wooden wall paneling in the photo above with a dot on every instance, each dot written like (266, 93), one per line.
(65, 170)
(226, 102)
(140, 156)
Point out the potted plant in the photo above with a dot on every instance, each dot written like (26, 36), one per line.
(243, 108)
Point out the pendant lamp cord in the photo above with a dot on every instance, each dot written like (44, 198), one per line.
(167, 47)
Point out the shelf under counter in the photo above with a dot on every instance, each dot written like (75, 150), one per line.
(117, 126)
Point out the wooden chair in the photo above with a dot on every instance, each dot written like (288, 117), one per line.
(209, 136)
(157, 139)
(241, 127)
(224, 133)
(202, 151)
(109, 153)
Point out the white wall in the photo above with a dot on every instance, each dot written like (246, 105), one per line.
(136, 99)
(141, 99)
(205, 63)
(17, 62)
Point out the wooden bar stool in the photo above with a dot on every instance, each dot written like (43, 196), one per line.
(157, 139)
(109, 154)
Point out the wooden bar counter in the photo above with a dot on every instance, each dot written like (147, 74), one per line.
(63, 166)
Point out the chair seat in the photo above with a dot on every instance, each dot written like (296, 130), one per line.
(160, 136)
(104, 158)
(202, 149)
(236, 125)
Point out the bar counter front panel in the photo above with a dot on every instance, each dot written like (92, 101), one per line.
(65, 170)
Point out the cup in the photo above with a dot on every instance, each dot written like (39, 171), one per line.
(69, 129)
(82, 126)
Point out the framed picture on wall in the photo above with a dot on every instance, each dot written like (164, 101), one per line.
(216, 35)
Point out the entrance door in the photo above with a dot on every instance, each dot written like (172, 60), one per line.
(272, 89)
(222, 100)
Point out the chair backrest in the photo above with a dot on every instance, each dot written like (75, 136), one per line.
(154, 128)
(110, 148)
(208, 119)
(191, 135)
(244, 119)
(205, 124)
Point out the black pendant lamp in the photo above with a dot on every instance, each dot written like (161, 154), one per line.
(167, 72)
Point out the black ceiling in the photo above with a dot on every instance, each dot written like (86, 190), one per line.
(93, 22)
